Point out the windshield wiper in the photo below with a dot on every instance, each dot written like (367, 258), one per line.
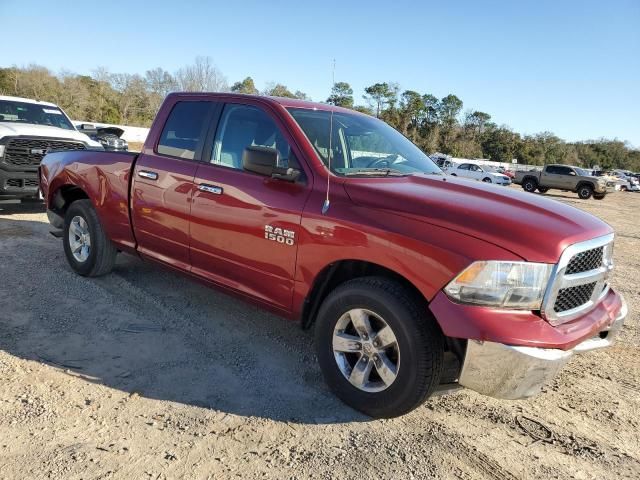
(385, 172)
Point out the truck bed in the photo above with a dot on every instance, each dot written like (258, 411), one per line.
(104, 177)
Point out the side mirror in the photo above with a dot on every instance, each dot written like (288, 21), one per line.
(264, 161)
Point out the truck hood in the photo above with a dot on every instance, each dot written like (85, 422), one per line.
(533, 227)
(10, 129)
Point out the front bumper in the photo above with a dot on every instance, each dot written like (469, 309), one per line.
(512, 372)
(18, 184)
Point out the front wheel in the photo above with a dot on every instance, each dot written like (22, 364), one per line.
(543, 189)
(599, 196)
(379, 349)
(88, 249)
(486, 180)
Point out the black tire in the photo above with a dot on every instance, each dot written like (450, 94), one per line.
(543, 189)
(599, 196)
(420, 344)
(454, 174)
(102, 253)
(529, 185)
(585, 191)
(487, 180)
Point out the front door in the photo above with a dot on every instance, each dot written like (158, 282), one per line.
(163, 185)
(244, 226)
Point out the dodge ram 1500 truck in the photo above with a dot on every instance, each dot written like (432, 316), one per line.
(564, 177)
(28, 128)
(415, 282)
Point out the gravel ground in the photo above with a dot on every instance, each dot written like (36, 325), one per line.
(146, 374)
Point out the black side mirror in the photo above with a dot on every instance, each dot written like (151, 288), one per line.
(264, 161)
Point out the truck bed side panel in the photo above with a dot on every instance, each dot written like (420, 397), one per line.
(104, 177)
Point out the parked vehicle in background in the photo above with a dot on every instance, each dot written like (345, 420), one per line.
(505, 171)
(476, 172)
(627, 180)
(413, 280)
(108, 137)
(28, 129)
(444, 163)
(564, 177)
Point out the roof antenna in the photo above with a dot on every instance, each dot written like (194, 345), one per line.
(327, 203)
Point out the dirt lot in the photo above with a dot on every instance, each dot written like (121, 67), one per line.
(144, 374)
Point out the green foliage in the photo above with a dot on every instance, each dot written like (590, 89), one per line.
(341, 95)
(245, 86)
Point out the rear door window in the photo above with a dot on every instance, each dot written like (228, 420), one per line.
(184, 132)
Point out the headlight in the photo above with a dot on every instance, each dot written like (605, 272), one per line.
(518, 285)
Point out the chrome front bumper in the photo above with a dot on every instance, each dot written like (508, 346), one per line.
(510, 372)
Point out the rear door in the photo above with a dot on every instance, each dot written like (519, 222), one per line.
(551, 177)
(163, 185)
(463, 170)
(245, 226)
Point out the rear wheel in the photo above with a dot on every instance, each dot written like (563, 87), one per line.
(543, 189)
(88, 249)
(599, 196)
(585, 191)
(529, 185)
(379, 349)
(486, 180)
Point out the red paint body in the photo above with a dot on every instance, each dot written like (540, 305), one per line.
(425, 228)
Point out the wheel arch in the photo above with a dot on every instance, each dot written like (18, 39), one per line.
(65, 196)
(338, 272)
(585, 183)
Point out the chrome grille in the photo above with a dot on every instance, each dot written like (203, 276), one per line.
(28, 152)
(585, 261)
(579, 280)
(572, 297)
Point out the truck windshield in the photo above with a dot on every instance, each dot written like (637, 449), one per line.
(34, 113)
(361, 145)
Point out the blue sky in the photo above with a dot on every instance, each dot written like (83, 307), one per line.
(570, 67)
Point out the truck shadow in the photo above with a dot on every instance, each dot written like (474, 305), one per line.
(152, 332)
(7, 208)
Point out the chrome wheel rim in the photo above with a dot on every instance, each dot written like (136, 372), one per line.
(79, 239)
(366, 350)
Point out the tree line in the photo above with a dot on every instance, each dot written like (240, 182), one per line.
(434, 124)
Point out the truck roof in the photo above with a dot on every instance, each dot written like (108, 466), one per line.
(284, 101)
(27, 100)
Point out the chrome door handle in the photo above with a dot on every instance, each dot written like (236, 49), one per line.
(203, 187)
(148, 174)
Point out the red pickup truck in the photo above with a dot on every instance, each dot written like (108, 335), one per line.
(414, 282)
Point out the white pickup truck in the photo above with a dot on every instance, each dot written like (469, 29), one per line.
(28, 130)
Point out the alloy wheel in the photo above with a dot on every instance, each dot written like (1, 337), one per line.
(366, 350)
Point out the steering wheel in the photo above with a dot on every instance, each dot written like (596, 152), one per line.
(384, 162)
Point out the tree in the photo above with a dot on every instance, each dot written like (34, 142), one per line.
(245, 86)
(477, 120)
(201, 76)
(341, 95)
(278, 90)
(450, 107)
(159, 84)
(381, 96)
